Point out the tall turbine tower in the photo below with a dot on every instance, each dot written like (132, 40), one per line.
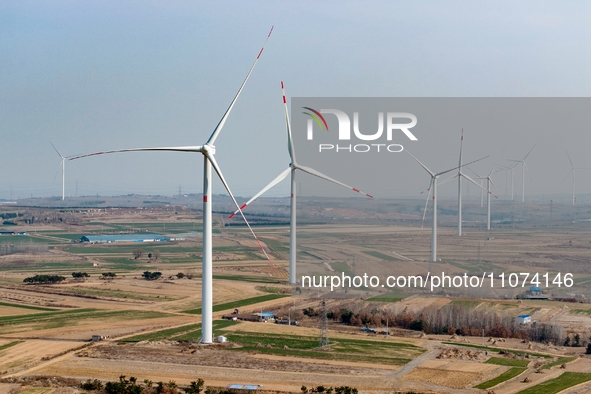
(433, 187)
(523, 169)
(208, 152)
(293, 167)
(63, 166)
(574, 172)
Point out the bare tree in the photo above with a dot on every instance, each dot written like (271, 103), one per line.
(137, 253)
(155, 255)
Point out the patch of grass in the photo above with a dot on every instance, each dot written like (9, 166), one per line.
(35, 308)
(343, 267)
(385, 299)
(497, 350)
(381, 255)
(10, 344)
(579, 311)
(162, 334)
(217, 327)
(240, 303)
(560, 361)
(556, 385)
(341, 349)
(509, 362)
(73, 317)
(509, 374)
(276, 246)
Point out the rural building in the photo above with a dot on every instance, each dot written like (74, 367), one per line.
(523, 319)
(107, 239)
(14, 233)
(244, 386)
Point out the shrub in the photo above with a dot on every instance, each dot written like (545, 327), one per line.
(44, 279)
(92, 385)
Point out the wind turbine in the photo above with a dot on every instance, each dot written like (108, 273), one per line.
(523, 168)
(574, 171)
(433, 186)
(63, 166)
(208, 151)
(293, 167)
(489, 181)
(461, 175)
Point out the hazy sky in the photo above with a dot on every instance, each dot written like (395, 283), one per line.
(101, 75)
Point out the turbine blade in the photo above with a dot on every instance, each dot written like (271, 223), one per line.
(532, 148)
(451, 169)
(449, 179)
(426, 204)
(290, 146)
(312, 171)
(58, 170)
(474, 172)
(461, 148)
(218, 128)
(473, 181)
(270, 185)
(215, 166)
(566, 177)
(495, 186)
(58, 152)
(166, 149)
(527, 170)
(422, 165)
(569, 159)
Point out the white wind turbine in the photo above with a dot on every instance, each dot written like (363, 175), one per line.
(293, 167)
(461, 175)
(523, 169)
(489, 181)
(507, 169)
(63, 166)
(433, 187)
(208, 151)
(574, 172)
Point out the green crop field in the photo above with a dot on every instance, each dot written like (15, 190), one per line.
(381, 255)
(560, 361)
(392, 353)
(497, 350)
(35, 308)
(509, 362)
(56, 319)
(9, 344)
(509, 374)
(556, 385)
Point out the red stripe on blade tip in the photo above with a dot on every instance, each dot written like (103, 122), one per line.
(356, 190)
